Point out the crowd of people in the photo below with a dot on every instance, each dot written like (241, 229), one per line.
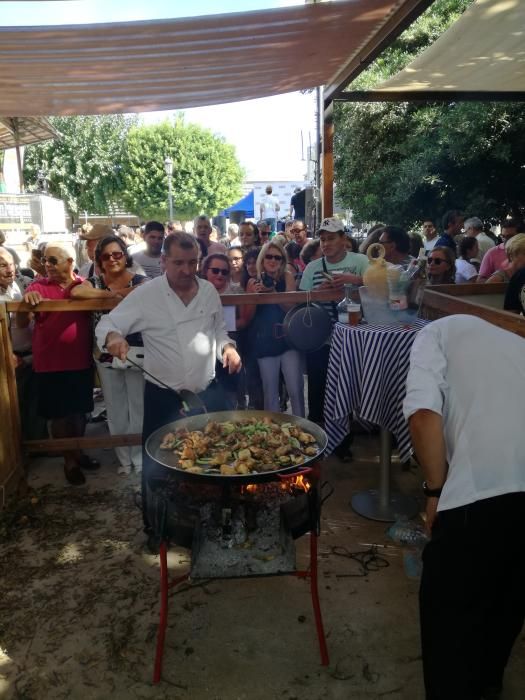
(59, 349)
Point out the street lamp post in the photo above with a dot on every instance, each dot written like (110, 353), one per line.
(168, 167)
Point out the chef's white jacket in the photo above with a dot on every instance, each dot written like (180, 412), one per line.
(181, 343)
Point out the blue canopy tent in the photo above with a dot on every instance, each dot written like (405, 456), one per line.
(245, 204)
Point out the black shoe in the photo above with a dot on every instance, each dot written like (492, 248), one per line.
(153, 544)
(74, 476)
(88, 463)
(101, 418)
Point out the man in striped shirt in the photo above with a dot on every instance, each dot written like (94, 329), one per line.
(319, 274)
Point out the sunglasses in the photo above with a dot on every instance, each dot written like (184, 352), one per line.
(297, 230)
(436, 261)
(116, 255)
(51, 260)
(277, 258)
(219, 271)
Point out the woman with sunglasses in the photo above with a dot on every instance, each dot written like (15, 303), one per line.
(123, 388)
(216, 269)
(441, 266)
(272, 352)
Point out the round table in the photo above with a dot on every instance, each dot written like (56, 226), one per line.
(367, 372)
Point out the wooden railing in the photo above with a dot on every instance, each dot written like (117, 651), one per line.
(11, 446)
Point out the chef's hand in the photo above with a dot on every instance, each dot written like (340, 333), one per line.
(431, 513)
(33, 298)
(117, 345)
(231, 359)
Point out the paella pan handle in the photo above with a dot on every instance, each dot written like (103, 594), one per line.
(191, 402)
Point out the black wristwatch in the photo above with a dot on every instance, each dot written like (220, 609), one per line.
(431, 493)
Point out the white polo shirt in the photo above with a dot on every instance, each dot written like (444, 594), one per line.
(473, 374)
(181, 343)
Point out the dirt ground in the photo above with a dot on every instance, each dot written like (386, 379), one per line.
(79, 605)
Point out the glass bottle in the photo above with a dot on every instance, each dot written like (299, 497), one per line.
(348, 312)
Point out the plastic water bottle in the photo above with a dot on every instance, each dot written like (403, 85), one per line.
(405, 532)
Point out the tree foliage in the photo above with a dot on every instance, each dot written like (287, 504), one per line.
(207, 176)
(402, 162)
(84, 165)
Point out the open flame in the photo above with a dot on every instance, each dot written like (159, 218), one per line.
(289, 484)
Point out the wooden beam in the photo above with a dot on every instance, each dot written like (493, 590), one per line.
(10, 432)
(425, 96)
(226, 299)
(83, 443)
(328, 169)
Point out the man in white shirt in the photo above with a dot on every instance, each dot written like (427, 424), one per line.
(468, 436)
(149, 259)
(269, 208)
(182, 324)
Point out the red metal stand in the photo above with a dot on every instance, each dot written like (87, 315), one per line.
(165, 585)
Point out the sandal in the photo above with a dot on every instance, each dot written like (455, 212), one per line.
(74, 476)
(88, 463)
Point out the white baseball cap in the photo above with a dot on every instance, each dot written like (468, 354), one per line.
(332, 225)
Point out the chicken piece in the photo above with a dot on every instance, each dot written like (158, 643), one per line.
(267, 467)
(195, 470)
(242, 468)
(168, 441)
(188, 453)
(274, 441)
(306, 438)
(227, 470)
(296, 459)
(221, 458)
(283, 450)
(310, 451)
(187, 464)
(211, 428)
(244, 454)
(256, 451)
(285, 460)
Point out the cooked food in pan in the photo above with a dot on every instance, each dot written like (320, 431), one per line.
(244, 447)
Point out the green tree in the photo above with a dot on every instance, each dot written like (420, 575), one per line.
(207, 176)
(84, 165)
(402, 162)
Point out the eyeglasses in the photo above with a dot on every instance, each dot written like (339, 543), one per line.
(51, 260)
(115, 255)
(436, 261)
(277, 258)
(219, 271)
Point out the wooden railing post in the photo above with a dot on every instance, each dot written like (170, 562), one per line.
(10, 433)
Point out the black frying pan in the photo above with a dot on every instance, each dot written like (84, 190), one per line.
(167, 458)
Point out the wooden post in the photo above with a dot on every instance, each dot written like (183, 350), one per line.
(10, 433)
(328, 165)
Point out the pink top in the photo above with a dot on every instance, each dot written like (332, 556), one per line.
(494, 259)
(62, 340)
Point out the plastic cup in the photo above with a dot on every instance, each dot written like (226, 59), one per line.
(354, 314)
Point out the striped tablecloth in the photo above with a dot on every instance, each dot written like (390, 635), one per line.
(367, 371)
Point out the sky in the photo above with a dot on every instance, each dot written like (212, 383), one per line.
(270, 135)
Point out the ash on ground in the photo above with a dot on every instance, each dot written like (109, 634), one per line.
(242, 539)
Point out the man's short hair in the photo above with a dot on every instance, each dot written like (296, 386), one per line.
(184, 240)
(4, 253)
(66, 250)
(269, 189)
(154, 226)
(449, 217)
(474, 222)
(399, 238)
(202, 219)
(262, 222)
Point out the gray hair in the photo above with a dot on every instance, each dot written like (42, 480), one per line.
(474, 222)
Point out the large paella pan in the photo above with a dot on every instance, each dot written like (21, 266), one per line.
(237, 446)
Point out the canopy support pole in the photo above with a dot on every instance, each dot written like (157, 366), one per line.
(328, 164)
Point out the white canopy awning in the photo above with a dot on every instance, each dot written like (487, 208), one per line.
(173, 64)
(481, 56)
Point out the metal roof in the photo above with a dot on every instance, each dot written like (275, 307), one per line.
(21, 131)
(182, 63)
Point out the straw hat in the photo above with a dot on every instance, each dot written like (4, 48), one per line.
(96, 232)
